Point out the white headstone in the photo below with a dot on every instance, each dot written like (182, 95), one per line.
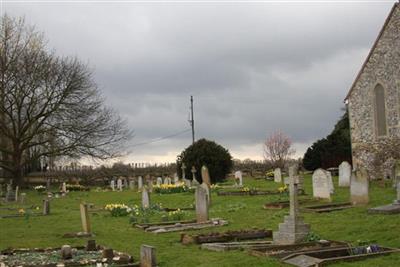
(277, 175)
(145, 198)
(64, 187)
(239, 177)
(140, 182)
(131, 184)
(119, 184)
(167, 180)
(159, 181)
(344, 174)
(321, 187)
(112, 185)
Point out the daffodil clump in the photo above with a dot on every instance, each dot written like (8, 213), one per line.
(245, 189)
(76, 187)
(215, 186)
(118, 210)
(170, 188)
(39, 188)
(269, 174)
(283, 189)
(21, 211)
(176, 215)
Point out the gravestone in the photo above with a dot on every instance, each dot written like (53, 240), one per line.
(201, 204)
(46, 207)
(66, 252)
(183, 171)
(239, 178)
(344, 174)
(145, 198)
(176, 178)
(293, 230)
(22, 198)
(84, 209)
(119, 184)
(188, 183)
(194, 181)
(131, 183)
(148, 256)
(149, 184)
(321, 187)
(359, 187)
(112, 185)
(330, 182)
(277, 175)
(159, 181)
(16, 192)
(140, 182)
(167, 180)
(10, 194)
(64, 187)
(125, 183)
(205, 175)
(396, 178)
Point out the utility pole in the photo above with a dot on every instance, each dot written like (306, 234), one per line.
(191, 121)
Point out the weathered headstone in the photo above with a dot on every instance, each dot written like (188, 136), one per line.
(10, 194)
(112, 185)
(293, 230)
(48, 184)
(205, 175)
(330, 182)
(201, 204)
(344, 174)
(188, 183)
(16, 192)
(125, 183)
(159, 180)
(22, 198)
(359, 187)
(321, 187)
(145, 198)
(167, 180)
(277, 175)
(131, 184)
(140, 182)
(46, 207)
(148, 256)
(119, 184)
(239, 178)
(84, 208)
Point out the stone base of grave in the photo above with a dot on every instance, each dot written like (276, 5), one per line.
(291, 231)
(79, 235)
(158, 229)
(387, 209)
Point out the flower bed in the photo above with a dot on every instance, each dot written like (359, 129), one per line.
(39, 188)
(170, 188)
(118, 210)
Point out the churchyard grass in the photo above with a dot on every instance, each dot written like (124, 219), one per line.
(353, 225)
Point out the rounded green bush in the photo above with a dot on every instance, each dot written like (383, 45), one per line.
(204, 152)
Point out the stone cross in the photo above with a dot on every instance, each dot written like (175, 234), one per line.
(359, 187)
(194, 181)
(201, 204)
(46, 207)
(205, 175)
(277, 175)
(293, 230)
(140, 182)
(84, 208)
(147, 256)
(344, 174)
(145, 198)
(183, 170)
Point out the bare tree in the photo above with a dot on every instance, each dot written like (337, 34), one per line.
(277, 149)
(49, 105)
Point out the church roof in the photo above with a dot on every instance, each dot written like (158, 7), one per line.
(373, 48)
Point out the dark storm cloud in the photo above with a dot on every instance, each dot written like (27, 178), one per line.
(252, 68)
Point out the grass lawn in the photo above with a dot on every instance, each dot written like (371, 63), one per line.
(348, 225)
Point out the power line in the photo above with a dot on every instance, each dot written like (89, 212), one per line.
(160, 138)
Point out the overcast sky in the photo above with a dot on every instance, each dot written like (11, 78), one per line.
(252, 68)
